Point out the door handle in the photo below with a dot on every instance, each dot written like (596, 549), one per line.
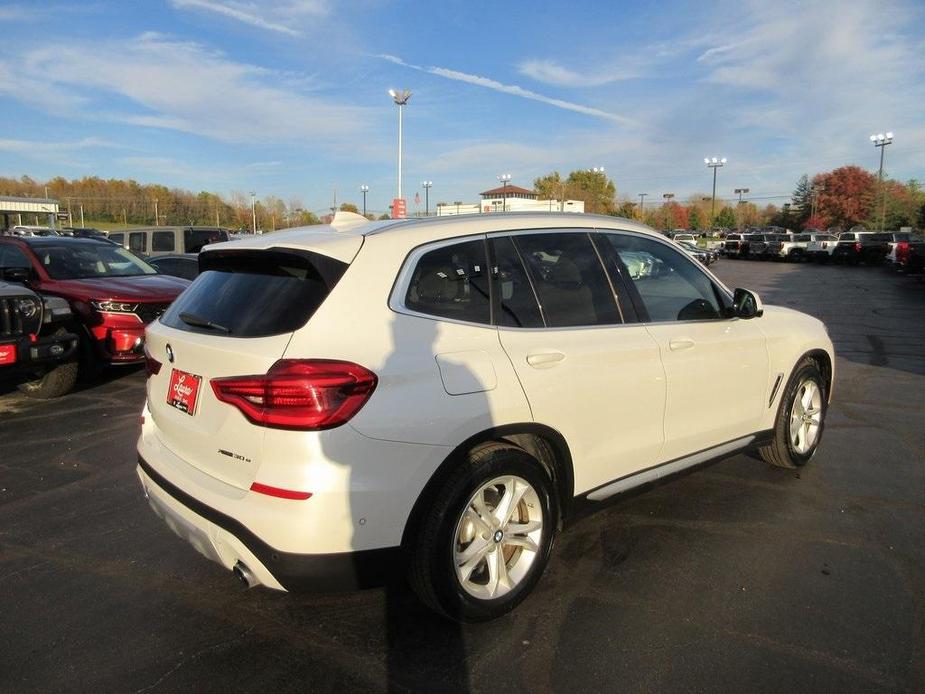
(544, 360)
(680, 343)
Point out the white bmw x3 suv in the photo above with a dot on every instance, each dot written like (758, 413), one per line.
(329, 404)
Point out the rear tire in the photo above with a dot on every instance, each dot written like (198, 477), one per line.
(800, 419)
(468, 562)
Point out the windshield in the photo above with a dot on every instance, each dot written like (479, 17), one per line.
(84, 261)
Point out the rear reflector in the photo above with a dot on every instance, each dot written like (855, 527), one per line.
(299, 394)
(152, 365)
(280, 493)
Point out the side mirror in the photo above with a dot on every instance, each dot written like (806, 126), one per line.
(20, 275)
(746, 304)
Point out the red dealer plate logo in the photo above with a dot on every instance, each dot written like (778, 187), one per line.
(183, 391)
(7, 354)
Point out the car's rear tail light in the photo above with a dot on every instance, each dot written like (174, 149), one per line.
(152, 365)
(857, 247)
(280, 493)
(302, 394)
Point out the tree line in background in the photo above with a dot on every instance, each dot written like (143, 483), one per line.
(114, 202)
(842, 198)
(845, 197)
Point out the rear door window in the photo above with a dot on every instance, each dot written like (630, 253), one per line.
(254, 293)
(518, 306)
(162, 241)
(137, 242)
(452, 282)
(118, 238)
(569, 279)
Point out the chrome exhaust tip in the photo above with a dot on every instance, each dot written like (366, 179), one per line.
(243, 574)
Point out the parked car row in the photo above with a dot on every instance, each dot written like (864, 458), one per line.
(852, 247)
(110, 293)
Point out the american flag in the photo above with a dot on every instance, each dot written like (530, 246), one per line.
(417, 198)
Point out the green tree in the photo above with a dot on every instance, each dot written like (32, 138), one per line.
(693, 219)
(802, 201)
(349, 207)
(726, 218)
(549, 187)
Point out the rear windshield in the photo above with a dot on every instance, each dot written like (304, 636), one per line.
(254, 293)
(880, 237)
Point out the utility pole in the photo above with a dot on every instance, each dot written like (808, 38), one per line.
(81, 215)
(364, 189)
(642, 206)
(740, 192)
(157, 219)
(253, 212)
(505, 179)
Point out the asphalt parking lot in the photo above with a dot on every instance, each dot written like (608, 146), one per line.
(737, 577)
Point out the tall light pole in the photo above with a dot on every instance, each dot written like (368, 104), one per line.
(642, 206)
(254, 212)
(157, 219)
(426, 185)
(713, 163)
(598, 170)
(364, 189)
(882, 140)
(401, 100)
(740, 192)
(669, 218)
(505, 179)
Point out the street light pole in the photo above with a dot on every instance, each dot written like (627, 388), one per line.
(254, 212)
(713, 163)
(642, 206)
(426, 185)
(505, 179)
(669, 218)
(364, 189)
(882, 140)
(157, 220)
(401, 100)
(740, 192)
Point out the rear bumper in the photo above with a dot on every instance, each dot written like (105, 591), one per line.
(228, 541)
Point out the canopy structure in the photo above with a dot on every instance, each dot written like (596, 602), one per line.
(17, 211)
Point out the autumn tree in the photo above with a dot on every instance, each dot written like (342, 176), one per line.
(349, 207)
(845, 196)
(593, 188)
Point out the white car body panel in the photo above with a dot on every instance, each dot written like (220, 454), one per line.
(621, 396)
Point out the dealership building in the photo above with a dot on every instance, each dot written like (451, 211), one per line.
(509, 198)
(34, 211)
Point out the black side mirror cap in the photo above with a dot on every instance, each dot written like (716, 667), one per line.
(746, 304)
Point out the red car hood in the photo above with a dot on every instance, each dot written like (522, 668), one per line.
(155, 288)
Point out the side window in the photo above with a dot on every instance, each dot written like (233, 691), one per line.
(162, 241)
(569, 279)
(516, 298)
(452, 282)
(671, 286)
(136, 242)
(165, 267)
(118, 238)
(10, 256)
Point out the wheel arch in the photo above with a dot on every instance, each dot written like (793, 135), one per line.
(543, 443)
(824, 362)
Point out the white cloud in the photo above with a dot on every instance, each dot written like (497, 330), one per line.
(275, 16)
(184, 86)
(52, 147)
(551, 72)
(511, 89)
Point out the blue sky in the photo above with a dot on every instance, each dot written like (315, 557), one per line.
(289, 97)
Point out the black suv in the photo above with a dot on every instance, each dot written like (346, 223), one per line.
(37, 344)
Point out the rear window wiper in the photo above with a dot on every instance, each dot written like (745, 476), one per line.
(192, 319)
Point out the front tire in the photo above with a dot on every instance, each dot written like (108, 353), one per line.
(486, 537)
(800, 419)
(53, 383)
